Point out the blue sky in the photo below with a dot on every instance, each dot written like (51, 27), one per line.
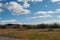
(29, 11)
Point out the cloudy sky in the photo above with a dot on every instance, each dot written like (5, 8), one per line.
(29, 11)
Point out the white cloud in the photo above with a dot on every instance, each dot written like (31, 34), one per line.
(1, 10)
(44, 12)
(58, 11)
(12, 21)
(16, 8)
(55, 0)
(9, 21)
(30, 0)
(43, 16)
(36, 0)
(26, 4)
(26, 11)
(46, 22)
(40, 12)
(47, 12)
(51, 21)
(1, 5)
(58, 16)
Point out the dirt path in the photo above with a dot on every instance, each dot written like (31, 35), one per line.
(7, 38)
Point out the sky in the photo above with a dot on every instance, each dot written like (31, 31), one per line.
(29, 11)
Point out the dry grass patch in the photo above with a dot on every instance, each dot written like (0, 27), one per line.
(32, 34)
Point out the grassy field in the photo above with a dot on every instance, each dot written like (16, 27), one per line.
(32, 34)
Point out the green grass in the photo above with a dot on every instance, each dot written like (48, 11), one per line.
(32, 34)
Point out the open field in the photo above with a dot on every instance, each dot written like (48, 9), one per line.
(32, 34)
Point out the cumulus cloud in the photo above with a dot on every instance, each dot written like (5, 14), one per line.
(1, 5)
(16, 8)
(48, 12)
(1, 9)
(40, 12)
(55, 0)
(43, 16)
(26, 4)
(30, 0)
(58, 11)
(44, 12)
(36, 0)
